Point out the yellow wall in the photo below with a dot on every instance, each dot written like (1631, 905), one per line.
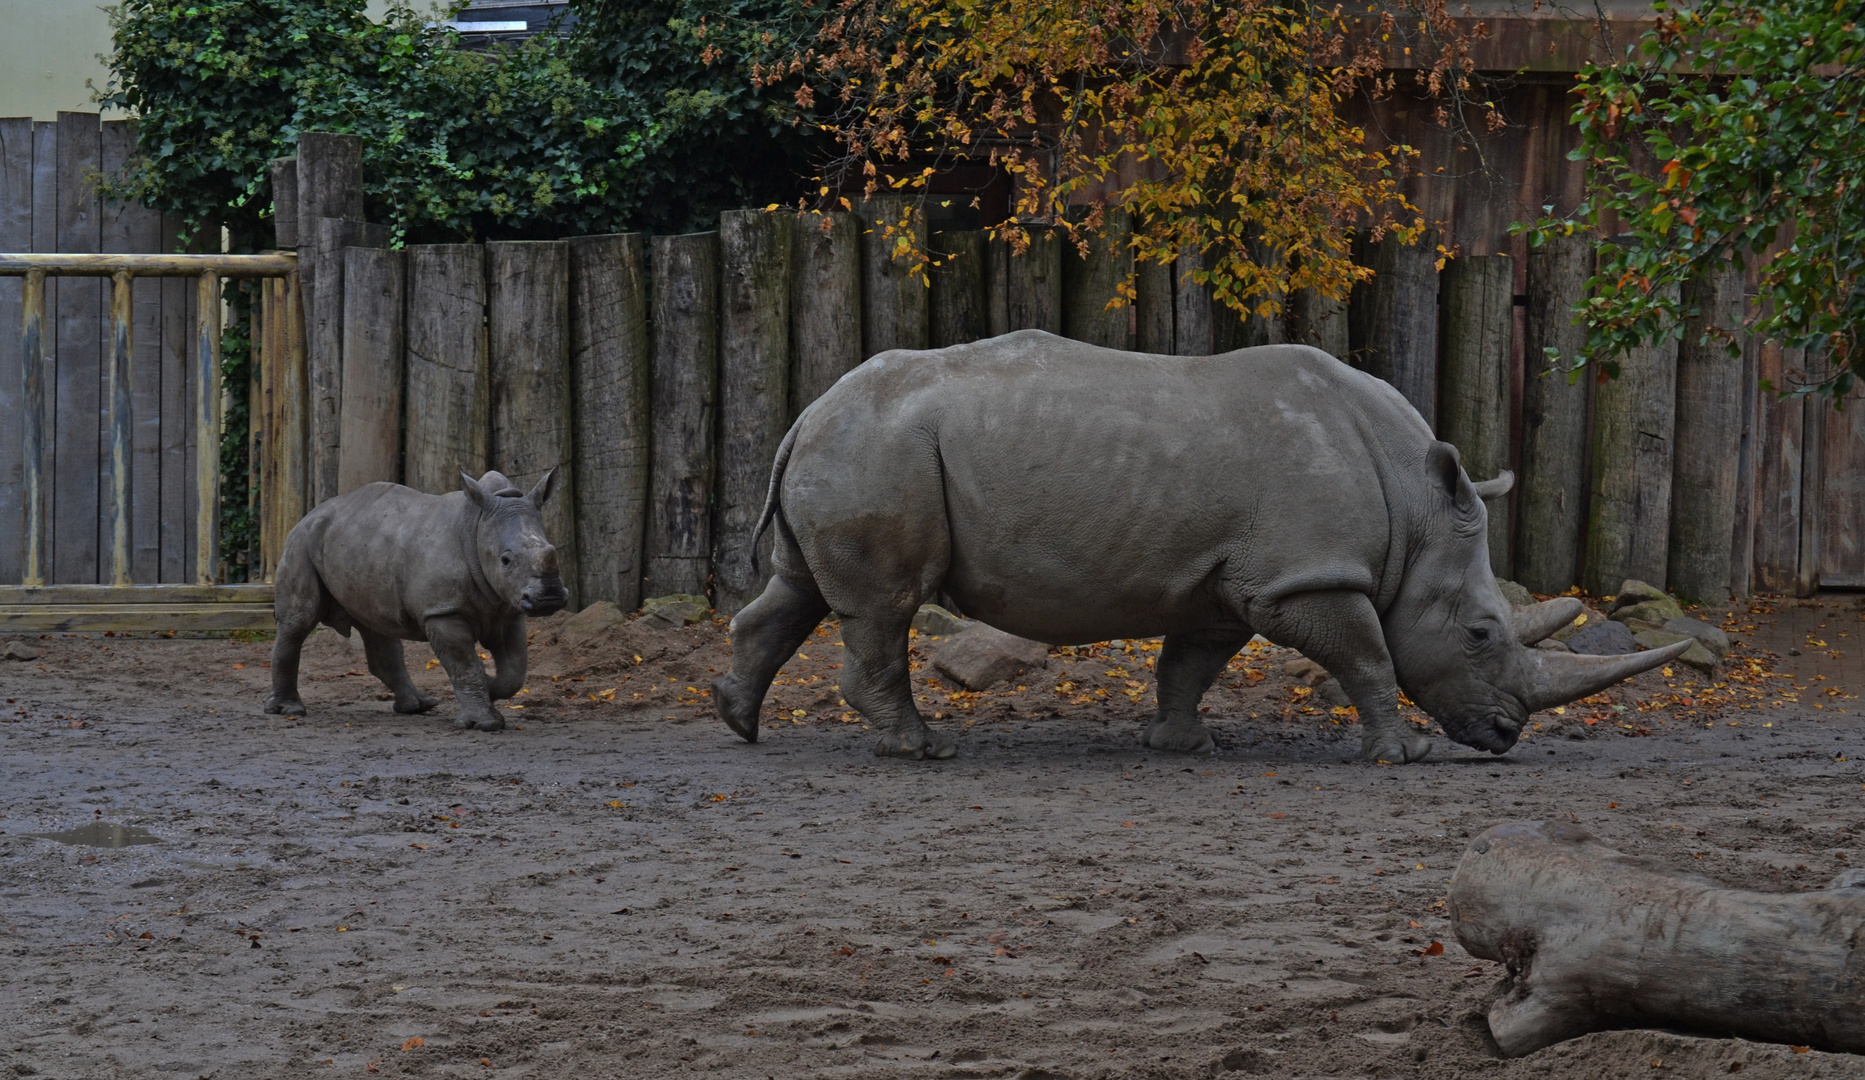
(48, 49)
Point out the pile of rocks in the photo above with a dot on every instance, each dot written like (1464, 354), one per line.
(1641, 616)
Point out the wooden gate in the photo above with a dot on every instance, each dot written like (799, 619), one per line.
(278, 418)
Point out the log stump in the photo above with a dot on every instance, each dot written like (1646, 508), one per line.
(1595, 939)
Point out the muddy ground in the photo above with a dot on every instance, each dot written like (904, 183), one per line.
(615, 886)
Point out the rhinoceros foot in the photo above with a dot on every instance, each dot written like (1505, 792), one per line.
(419, 703)
(1179, 735)
(484, 720)
(916, 746)
(1394, 750)
(738, 713)
(278, 705)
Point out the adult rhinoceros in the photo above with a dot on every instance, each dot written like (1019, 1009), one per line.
(1071, 494)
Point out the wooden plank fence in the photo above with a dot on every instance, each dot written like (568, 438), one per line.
(657, 374)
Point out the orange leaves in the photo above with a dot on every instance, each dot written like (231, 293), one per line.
(1436, 948)
(413, 1044)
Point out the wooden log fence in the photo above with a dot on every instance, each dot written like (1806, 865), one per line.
(657, 376)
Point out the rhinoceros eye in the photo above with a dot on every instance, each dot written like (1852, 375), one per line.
(1479, 634)
(505, 559)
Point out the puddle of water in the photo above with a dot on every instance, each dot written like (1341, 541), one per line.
(102, 834)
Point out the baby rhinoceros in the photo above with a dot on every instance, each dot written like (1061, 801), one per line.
(457, 570)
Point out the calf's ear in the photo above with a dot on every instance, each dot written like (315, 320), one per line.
(540, 492)
(473, 491)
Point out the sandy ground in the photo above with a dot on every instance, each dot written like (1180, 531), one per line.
(616, 887)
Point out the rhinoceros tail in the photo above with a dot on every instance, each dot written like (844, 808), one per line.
(770, 498)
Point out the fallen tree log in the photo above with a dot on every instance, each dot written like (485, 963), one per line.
(1594, 939)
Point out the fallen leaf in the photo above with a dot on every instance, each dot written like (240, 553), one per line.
(1278, 815)
(1436, 948)
(410, 1044)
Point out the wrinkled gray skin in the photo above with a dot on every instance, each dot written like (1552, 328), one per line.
(455, 570)
(1073, 494)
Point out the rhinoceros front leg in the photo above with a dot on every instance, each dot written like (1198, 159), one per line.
(386, 664)
(1340, 631)
(510, 659)
(875, 681)
(1188, 665)
(453, 641)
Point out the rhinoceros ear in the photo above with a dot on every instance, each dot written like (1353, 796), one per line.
(540, 492)
(1445, 469)
(474, 491)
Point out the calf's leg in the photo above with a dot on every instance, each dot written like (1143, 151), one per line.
(1188, 665)
(453, 641)
(1340, 631)
(386, 663)
(510, 659)
(764, 637)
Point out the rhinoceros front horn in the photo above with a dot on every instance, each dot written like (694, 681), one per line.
(1556, 678)
(1532, 624)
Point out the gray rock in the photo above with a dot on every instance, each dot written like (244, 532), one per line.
(1552, 645)
(1307, 671)
(680, 609)
(1696, 656)
(1635, 591)
(591, 625)
(1712, 637)
(983, 656)
(1602, 638)
(935, 621)
(19, 650)
(1516, 595)
(1588, 617)
(1653, 614)
(1332, 694)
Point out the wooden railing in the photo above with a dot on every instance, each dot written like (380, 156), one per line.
(123, 603)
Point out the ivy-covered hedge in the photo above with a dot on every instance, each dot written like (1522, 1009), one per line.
(644, 116)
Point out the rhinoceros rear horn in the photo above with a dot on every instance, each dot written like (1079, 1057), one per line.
(540, 491)
(1494, 489)
(1556, 678)
(1532, 624)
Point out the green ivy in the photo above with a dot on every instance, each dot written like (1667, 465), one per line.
(1730, 127)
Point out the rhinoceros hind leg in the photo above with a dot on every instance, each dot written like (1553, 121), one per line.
(1188, 665)
(1339, 630)
(386, 663)
(298, 597)
(765, 634)
(876, 683)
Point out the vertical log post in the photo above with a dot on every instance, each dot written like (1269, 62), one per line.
(1152, 284)
(686, 385)
(32, 464)
(528, 332)
(15, 235)
(1779, 438)
(825, 304)
(1091, 282)
(1814, 419)
(1192, 329)
(1402, 331)
(76, 501)
(1709, 436)
(1742, 538)
(207, 426)
(1032, 280)
(1479, 325)
(448, 410)
(284, 174)
(371, 429)
(960, 294)
(893, 298)
(1552, 502)
(1633, 439)
(330, 185)
(754, 393)
(609, 378)
(1319, 320)
(120, 426)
